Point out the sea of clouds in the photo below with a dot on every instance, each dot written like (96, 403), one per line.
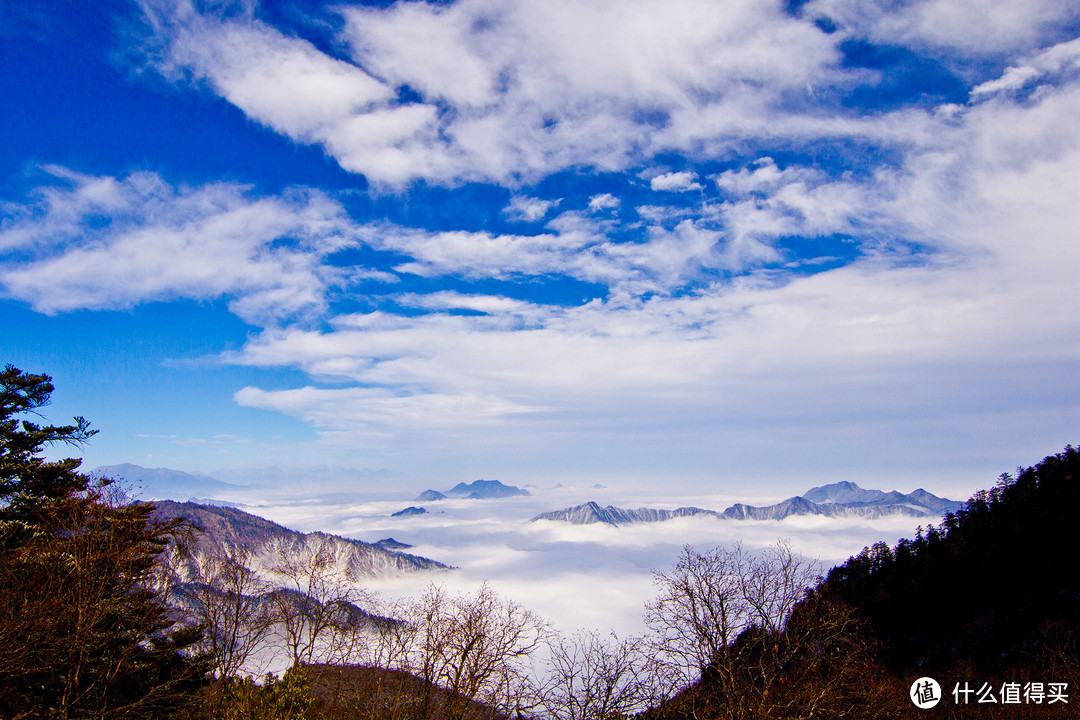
(594, 577)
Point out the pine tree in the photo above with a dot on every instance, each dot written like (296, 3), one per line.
(82, 632)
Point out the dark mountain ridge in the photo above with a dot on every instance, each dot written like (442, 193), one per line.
(996, 584)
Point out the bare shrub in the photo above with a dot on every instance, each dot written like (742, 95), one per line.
(710, 597)
(590, 677)
(474, 647)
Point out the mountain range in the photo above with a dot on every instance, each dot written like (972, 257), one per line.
(841, 499)
(163, 483)
(591, 512)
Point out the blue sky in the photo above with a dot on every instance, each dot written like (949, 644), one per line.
(698, 243)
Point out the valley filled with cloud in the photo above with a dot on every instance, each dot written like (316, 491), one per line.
(593, 577)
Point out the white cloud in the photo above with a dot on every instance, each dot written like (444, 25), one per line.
(603, 201)
(479, 254)
(949, 326)
(950, 310)
(528, 209)
(1013, 79)
(629, 51)
(675, 182)
(577, 247)
(765, 177)
(533, 563)
(369, 414)
(972, 26)
(109, 243)
(289, 85)
(448, 300)
(513, 93)
(281, 81)
(1061, 57)
(507, 92)
(764, 203)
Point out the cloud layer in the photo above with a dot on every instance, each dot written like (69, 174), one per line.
(610, 568)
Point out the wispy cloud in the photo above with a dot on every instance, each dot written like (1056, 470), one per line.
(528, 209)
(976, 28)
(111, 243)
(603, 201)
(1060, 58)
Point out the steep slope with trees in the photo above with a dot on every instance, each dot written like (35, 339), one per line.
(995, 586)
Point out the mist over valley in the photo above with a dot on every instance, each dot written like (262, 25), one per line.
(595, 575)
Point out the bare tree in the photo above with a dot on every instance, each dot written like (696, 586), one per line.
(746, 638)
(710, 597)
(821, 665)
(317, 611)
(773, 581)
(229, 600)
(592, 678)
(474, 647)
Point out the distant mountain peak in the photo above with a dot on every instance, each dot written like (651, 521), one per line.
(843, 491)
(163, 483)
(392, 544)
(484, 489)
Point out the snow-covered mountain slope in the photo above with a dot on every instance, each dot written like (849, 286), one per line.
(591, 512)
(268, 545)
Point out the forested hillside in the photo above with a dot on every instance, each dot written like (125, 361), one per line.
(987, 603)
(995, 586)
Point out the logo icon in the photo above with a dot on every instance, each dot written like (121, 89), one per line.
(925, 693)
